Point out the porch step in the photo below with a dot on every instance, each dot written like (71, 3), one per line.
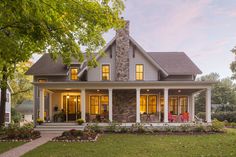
(58, 127)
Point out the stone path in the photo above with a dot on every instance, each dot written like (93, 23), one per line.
(21, 150)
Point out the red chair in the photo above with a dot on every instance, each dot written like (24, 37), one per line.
(170, 117)
(185, 117)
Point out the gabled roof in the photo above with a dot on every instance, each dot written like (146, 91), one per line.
(175, 63)
(46, 66)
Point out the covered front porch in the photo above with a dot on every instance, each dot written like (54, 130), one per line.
(104, 102)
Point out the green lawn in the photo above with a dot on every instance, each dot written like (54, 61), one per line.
(5, 146)
(127, 145)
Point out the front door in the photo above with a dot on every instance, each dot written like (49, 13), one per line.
(71, 106)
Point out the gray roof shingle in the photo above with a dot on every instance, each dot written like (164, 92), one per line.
(175, 63)
(46, 66)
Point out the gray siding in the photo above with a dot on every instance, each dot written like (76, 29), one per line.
(150, 71)
(94, 74)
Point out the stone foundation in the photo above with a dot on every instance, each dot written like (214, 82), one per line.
(124, 106)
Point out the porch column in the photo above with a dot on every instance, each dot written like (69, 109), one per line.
(192, 108)
(166, 105)
(50, 107)
(208, 105)
(110, 104)
(137, 105)
(83, 110)
(41, 103)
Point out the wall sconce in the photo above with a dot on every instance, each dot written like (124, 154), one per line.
(67, 96)
(179, 91)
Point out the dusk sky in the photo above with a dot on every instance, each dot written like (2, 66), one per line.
(204, 29)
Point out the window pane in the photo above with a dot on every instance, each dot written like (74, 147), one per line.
(173, 105)
(94, 105)
(74, 73)
(183, 104)
(105, 72)
(143, 104)
(104, 104)
(139, 72)
(152, 104)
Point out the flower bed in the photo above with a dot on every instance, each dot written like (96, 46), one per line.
(15, 133)
(77, 136)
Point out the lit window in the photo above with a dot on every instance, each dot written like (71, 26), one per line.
(42, 80)
(148, 104)
(183, 104)
(94, 105)
(173, 105)
(105, 72)
(139, 72)
(152, 104)
(74, 74)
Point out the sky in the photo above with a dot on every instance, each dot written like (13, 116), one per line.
(204, 29)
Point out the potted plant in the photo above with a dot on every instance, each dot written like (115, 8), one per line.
(40, 121)
(80, 121)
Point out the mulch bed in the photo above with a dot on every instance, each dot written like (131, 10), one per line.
(91, 138)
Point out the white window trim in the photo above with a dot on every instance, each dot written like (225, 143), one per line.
(109, 71)
(135, 71)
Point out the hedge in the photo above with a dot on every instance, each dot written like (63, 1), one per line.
(221, 116)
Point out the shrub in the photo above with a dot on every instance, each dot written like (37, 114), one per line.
(185, 127)
(94, 128)
(221, 116)
(138, 128)
(200, 128)
(217, 126)
(80, 121)
(114, 127)
(40, 121)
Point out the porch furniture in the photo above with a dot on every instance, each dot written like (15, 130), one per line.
(185, 117)
(170, 117)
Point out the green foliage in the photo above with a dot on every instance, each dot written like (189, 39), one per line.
(137, 128)
(59, 27)
(223, 92)
(14, 131)
(80, 121)
(221, 116)
(15, 116)
(94, 128)
(217, 126)
(21, 83)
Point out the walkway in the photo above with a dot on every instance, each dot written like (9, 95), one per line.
(21, 150)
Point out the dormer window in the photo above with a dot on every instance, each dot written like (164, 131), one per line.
(139, 72)
(105, 72)
(74, 74)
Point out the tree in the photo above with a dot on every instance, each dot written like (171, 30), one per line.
(59, 27)
(233, 64)
(223, 92)
(21, 83)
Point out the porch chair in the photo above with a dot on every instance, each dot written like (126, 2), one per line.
(170, 117)
(185, 117)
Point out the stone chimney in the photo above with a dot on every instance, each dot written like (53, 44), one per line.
(122, 53)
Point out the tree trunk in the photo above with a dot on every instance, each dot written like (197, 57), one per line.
(3, 95)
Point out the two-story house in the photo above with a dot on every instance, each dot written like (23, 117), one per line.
(130, 85)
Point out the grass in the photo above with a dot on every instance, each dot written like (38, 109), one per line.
(5, 146)
(128, 145)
